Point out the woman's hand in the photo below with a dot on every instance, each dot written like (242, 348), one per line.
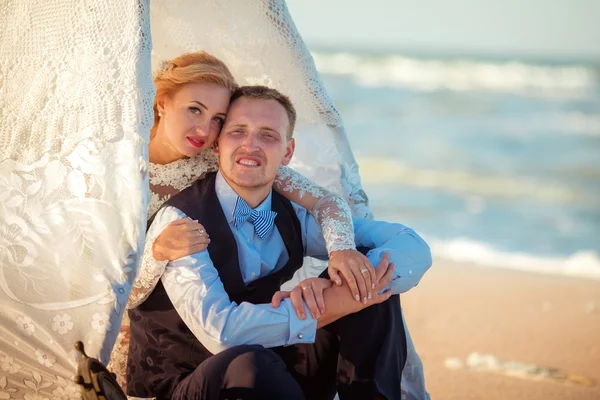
(356, 270)
(311, 291)
(180, 238)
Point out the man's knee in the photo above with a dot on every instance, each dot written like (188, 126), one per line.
(386, 315)
(243, 369)
(255, 364)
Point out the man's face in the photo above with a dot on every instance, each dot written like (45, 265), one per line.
(253, 143)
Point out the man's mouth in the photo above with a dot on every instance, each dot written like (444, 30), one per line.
(196, 142)
(248, 161)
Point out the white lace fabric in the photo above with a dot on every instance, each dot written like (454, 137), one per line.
(75, 113)
(76, 98)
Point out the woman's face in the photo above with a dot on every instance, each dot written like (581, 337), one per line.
(192, 117)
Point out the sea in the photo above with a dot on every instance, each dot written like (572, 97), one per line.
(494, 161)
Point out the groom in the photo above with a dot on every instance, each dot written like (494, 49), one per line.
(208, 330)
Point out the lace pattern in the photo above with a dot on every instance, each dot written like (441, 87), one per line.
(167, 180)
(75, 113)
(330, 210)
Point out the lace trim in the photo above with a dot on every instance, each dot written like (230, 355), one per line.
(118, 356)
(150, 272)
(335, 218)
(331, 211)
(182, 173)
(289, 180)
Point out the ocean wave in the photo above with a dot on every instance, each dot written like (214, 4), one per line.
(585, 264)
(378, 170)
(569, 123)
(460, 75)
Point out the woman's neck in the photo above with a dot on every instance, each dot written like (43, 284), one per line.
(161, 152)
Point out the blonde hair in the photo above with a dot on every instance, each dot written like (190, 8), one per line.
(197, 67)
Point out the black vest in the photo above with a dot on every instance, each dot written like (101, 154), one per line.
(163, 351)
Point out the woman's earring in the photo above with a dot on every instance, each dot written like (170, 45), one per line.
(159, 114)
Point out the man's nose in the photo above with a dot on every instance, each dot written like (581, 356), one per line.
(250, 142)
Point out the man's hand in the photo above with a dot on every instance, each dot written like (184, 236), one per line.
(311, 291)
(180, 238)
(339, 299)
(357, 271)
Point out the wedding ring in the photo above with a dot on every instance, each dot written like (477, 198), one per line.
(362, 271)
(306, 287)
(201, 232)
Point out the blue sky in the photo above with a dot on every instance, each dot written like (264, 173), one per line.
(561, 29)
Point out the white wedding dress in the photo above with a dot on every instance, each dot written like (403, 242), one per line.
(75, 113)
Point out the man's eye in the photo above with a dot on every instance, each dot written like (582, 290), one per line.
(269, 136)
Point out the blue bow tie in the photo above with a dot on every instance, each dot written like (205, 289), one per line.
(262, 220)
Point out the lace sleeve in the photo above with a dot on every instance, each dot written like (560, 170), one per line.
(149, 273)
(330, 210)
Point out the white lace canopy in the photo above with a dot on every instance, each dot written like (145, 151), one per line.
(76, 98)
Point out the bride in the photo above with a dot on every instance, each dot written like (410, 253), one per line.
(76, 110)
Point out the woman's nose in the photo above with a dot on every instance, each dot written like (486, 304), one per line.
(203, 128)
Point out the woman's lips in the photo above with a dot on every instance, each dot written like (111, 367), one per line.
(196, 142)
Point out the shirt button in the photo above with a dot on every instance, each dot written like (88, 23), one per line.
(300, 336)
(410, 271)
(253, 274)
(249, 240)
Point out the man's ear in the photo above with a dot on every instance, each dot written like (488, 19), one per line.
(216, 145)
(289, 151)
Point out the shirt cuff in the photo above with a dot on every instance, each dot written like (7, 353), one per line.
(407, 273)
(301, 331)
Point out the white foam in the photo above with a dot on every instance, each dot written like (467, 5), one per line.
(585, 264)
(461, 75)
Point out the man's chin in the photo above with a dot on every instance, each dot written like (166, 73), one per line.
(248, 179)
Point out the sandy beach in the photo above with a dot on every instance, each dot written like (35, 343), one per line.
(525, 318)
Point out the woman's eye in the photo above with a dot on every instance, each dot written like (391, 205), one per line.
(220, 120)
(195, 110)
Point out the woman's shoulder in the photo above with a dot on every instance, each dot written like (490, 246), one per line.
(182, 173)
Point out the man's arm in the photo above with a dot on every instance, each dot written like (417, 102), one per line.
(197, 293)
(407, 249)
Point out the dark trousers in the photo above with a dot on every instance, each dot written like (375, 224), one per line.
(358, 356)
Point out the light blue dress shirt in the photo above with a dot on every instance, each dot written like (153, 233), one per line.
(197, 293)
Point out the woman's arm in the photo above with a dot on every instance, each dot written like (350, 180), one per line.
(335, 219)
(329, 209)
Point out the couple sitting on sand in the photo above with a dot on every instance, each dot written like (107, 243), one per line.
(208, 317)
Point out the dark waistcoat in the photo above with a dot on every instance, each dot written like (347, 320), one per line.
(163, 351)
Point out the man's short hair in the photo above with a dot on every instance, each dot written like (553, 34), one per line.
(265, 93)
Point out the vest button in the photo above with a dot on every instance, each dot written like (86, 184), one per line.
(300, 336)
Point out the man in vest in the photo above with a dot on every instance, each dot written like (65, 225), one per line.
(209, 330)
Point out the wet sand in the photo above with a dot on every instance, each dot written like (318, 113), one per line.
(518, 318)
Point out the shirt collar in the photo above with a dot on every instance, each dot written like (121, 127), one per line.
(227, 197)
